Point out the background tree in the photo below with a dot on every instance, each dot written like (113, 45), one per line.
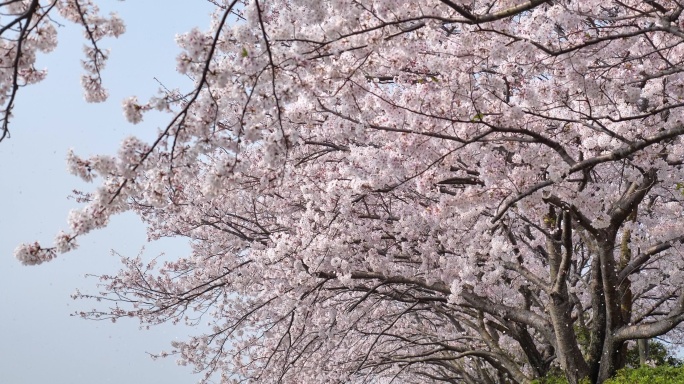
(656, 354)
(424, 192)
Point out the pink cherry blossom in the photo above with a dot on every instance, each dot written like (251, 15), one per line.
(378, 191)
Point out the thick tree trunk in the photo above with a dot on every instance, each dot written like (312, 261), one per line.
(625, 288)
(598, 328)
(618, 310)
(568, 350)
(611, 359)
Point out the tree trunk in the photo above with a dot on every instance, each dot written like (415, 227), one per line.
(598, 328)
(568, 351)
(611, 359)
(642, 344)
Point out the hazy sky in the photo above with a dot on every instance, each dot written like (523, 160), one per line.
(39, 341)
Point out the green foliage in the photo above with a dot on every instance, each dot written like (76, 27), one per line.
(668, 369)
(556, 380)
(658, 354)
(679, 187)
(477, 117)
(551, 380)
(583, 334)
(643, 375)
(648, 375)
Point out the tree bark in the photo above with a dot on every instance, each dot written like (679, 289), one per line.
(642, 344)
(610, 355)
(568, 351)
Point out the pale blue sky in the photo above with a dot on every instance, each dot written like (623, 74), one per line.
(39, 341)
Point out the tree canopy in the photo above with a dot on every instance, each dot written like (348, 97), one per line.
(379, 191)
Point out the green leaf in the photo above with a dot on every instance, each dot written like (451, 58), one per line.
(477, 117)
(648, 375)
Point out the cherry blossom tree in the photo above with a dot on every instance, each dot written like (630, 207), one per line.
(28, 27)
(425, 191)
